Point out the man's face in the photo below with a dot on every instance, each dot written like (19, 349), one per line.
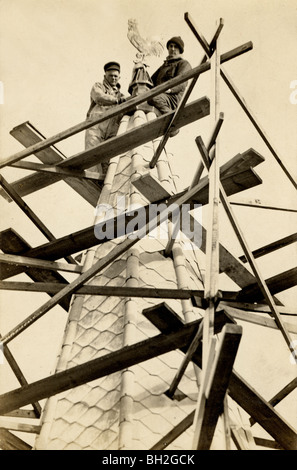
(112, 76)
(173, 49)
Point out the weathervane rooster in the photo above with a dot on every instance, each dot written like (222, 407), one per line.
(146, 47)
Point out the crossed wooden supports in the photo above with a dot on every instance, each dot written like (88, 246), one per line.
(216, 362)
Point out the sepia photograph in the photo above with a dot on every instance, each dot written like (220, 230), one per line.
(148, 245)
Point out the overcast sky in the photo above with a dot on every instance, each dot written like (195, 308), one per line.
(51, 53)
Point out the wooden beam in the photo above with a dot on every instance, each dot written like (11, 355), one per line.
(53, 169)
(218, 384)
(277, 283)
(258, 319)
(20, 413)
(20, 427)
(20, 376)
(283, 393)
(262, 206)
(9, 441)
(174, 433)
(265, 250)
(29, 136)
(259, 441)
(11, 242)
(125, 107)
(257, 307)
(185, 362)
(137, 136)
(29, 213)
(109, 363)
(38, 263)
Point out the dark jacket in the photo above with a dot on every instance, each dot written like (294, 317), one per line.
(170, 69)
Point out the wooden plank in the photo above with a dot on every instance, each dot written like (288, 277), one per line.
(29, 213)
(9, 441)
(276, 284)
(20, 377)
(20, 413)
(151, 188)
(260, 205)
(174, 433)
(106, 365)
(283, 393)
(218, 384)
(260, 441)
(38, 263)
(11, 242)
(185, 362)
(258, 307)
(52, 169)
(265, 250)
(26, 209)
(136, 136)
(20, 427)
(125, 107)
(29, 136)
(258, 319)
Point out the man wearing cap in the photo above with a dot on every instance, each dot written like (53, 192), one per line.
(173, 66)
(104, 95)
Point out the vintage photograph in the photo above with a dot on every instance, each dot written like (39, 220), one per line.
(148, 255)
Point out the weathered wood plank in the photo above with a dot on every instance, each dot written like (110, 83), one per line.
(265, 250)
(38, 263)
(20, 427)
(218, 384)
(53, 169)
(277, 283)
(9, 441)
(137, 136)
(12, 243)
(258, 319)
(28, 135)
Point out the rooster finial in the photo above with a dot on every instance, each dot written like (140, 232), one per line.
(145, 47)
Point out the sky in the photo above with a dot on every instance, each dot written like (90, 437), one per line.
(51, 53)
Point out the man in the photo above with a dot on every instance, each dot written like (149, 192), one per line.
(173, 66)
(104, 95)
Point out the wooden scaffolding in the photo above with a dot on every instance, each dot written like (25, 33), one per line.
(211, 341)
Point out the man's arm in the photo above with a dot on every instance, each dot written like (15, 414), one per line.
(183, 67)
(99, 96)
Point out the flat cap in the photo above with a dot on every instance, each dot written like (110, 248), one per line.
(112, 66)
